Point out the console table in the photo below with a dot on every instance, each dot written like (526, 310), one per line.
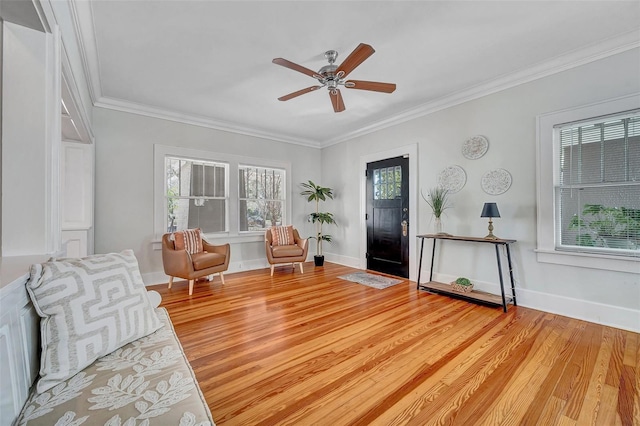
(473, 296)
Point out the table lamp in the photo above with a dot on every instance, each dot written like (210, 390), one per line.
(490, 210)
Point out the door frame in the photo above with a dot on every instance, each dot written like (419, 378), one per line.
(412, 151)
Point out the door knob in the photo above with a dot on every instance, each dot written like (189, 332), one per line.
(404, 225)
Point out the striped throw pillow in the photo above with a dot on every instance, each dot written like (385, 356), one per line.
(282, 235)
(189, 240)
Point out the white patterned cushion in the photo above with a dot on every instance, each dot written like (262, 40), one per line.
(89, 308)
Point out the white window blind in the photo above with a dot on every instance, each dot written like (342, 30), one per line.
(598, 190)
(196, 193)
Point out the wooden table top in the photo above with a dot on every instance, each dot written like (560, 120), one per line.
(463, 238)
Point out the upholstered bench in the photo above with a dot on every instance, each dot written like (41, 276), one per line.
(110, 356)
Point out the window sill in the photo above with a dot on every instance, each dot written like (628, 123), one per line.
(222, 238)
(587, 260)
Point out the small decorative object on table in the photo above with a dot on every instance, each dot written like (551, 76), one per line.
(463, 285)
(438, 200)
(490, 210)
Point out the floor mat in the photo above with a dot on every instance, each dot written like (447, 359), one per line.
(371, 280)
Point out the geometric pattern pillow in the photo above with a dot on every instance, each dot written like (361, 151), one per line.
(189, 240)
(89, 307)
(282, 235)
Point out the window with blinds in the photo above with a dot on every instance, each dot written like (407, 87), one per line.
(598, 187)
(196, 195)
(261, 198)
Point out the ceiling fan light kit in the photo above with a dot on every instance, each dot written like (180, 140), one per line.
(332, 76)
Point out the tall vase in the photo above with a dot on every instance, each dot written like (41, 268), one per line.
(437, 225)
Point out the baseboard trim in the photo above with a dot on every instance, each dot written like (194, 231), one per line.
(598, 313)
(159, 277)
(352, 262)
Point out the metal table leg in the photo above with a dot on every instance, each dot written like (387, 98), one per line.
(433, 255)
(513, 286)
(420, 264)
(504, 300)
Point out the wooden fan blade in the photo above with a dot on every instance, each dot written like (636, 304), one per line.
(298, 93)
(295, 67)
(336, 100)
(374, 86)
(359, 54)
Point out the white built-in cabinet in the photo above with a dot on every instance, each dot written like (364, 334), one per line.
(76, 200)
(19, 346)
(47, 182)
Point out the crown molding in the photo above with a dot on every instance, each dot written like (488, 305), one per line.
(79, 112)
(609, 47)
(82, 14)
(194, 120)
(82, 17)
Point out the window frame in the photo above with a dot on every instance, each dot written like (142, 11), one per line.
(232, 234)
(547, 177)
(200, 161)
(283, 200)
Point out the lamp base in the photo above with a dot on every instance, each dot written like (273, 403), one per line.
(490, 236)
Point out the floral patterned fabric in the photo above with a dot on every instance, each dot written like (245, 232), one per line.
(146, 382)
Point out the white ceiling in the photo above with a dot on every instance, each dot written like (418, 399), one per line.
(209, 62)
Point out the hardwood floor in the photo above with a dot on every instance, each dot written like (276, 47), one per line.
(313, 349)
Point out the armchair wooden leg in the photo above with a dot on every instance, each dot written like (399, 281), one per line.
(301, 270)
(222, 278)
(170, 281)
(191, 287)
(272, 266)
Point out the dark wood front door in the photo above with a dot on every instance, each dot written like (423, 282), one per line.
(388, 216)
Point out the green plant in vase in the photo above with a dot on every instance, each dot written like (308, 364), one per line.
(438, 199)
(319, 193)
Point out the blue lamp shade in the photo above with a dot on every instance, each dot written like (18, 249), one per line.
(490, 210)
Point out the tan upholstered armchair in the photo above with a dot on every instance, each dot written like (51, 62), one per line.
(182, 264)
(288, 253)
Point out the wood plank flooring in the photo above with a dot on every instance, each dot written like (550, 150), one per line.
(313, 349)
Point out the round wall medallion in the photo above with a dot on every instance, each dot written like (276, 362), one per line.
(452, 178)
(475, 147)
(496, 182)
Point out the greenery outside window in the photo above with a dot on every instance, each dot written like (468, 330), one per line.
(261, 196)
(387, 183)
(598, 187)
(196, 195)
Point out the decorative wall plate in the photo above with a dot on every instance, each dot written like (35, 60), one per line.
(475, 147)
(496, 182)
(452, 178)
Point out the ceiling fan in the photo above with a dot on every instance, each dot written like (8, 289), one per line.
(332, 76)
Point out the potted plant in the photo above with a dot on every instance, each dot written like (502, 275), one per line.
(602, 226)
(318, 193)
(462, 284)
(438, 200)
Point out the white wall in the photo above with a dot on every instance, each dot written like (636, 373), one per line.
(508, 120)
(26, 145)
(124, 182)
(124, 187)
